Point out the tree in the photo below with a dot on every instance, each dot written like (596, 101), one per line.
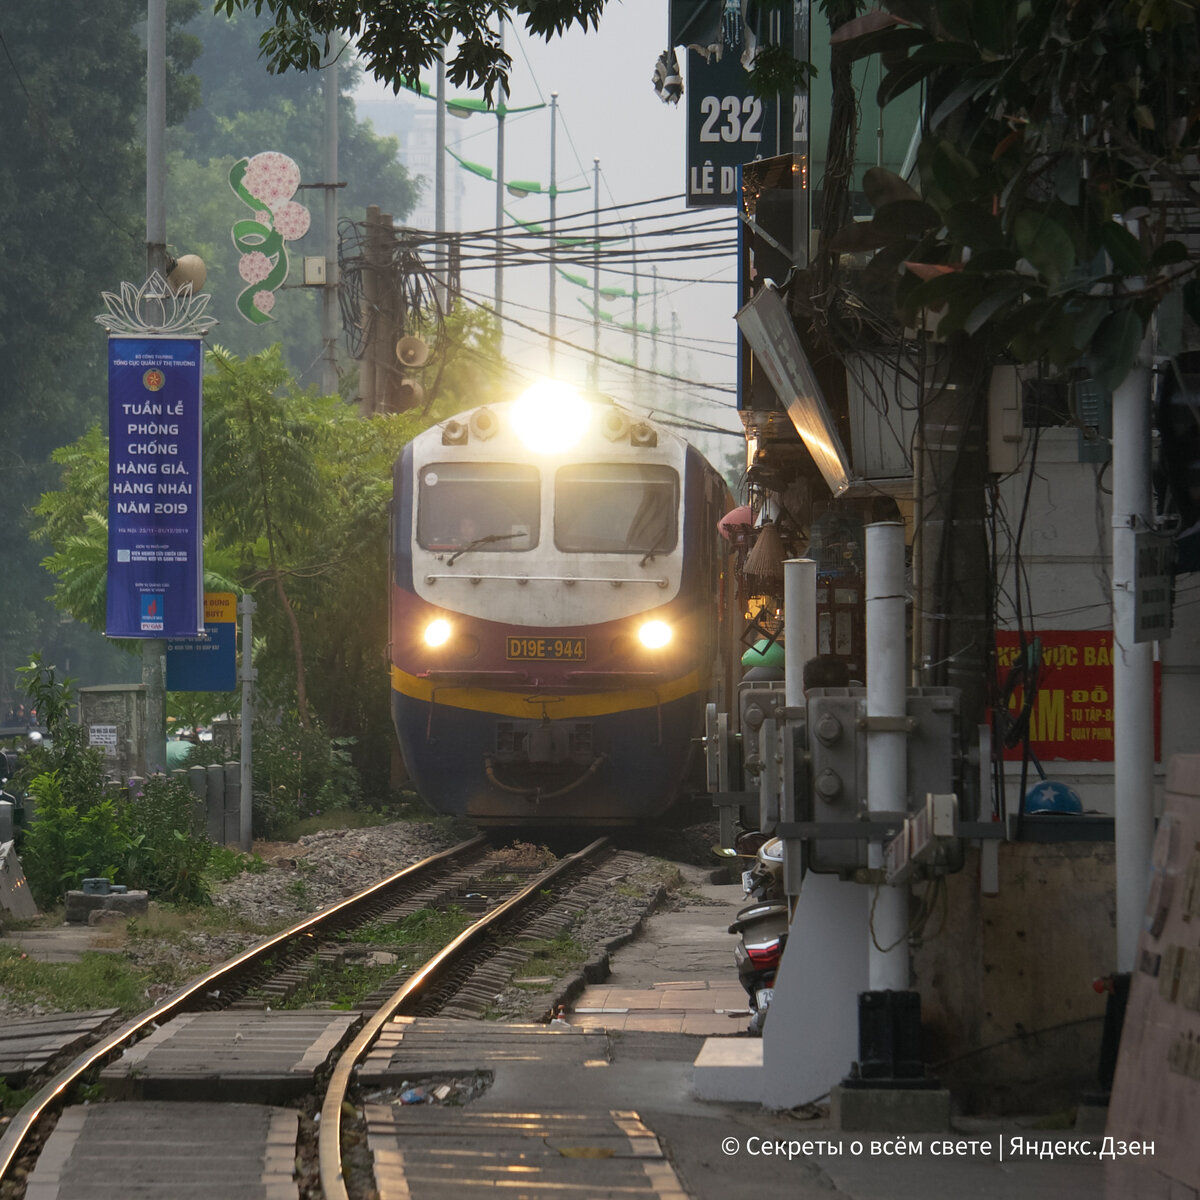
(1053, 169)
(71, 224)
(401, 39)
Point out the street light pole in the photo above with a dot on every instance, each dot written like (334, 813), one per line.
(154, 650)
(553, 214)
(596, 274)
(499, 289)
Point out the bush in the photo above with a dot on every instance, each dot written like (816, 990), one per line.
(297, 773)
(69, 843)
(85, 827)
(170, 851)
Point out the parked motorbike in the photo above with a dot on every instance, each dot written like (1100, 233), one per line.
(762, 930)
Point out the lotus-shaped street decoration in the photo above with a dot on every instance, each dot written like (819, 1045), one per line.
(154, 308)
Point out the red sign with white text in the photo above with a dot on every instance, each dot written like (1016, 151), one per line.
(1072, 716)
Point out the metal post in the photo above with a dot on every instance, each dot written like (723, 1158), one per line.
(633, 244)
(154, 650)
(1133, 662)
(799, 625)
(596, 273)
(156, 125)
(439, 184)
(654, 327)
(499, 289)
(553, 216)
(329, 294)
(248, 674)
(886, 748)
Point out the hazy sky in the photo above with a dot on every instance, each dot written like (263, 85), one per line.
(608, 109)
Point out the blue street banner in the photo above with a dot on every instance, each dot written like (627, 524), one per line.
(155, 564)
(209, 663)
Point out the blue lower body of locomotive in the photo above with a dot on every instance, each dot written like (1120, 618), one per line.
(617, 768)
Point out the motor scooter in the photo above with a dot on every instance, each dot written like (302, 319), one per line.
(762, 930)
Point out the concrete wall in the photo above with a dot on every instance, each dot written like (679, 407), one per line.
(1011, 1020)
(1066, 550)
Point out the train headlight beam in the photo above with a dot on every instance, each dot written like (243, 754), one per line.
(437, 632)
(654, 635)
(551, 417)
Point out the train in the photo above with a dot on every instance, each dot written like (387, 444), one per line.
(559, 611)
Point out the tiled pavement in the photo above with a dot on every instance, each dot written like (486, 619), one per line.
(699, 1006)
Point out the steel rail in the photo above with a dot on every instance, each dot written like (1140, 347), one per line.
(329, 1148)
(25, 1120)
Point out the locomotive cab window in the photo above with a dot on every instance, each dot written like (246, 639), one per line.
(485, 506)
(616, 508)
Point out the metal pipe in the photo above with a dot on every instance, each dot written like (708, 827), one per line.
(596, 273)
(439, 185)
(154, 650)
(799, 625)
(329, 293)
(247, 608)
(886, 748)
(1133, 661)
(156, 126)
(499, 285)
(553, 216)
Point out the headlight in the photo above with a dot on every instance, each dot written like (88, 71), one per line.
(550, 417)
(437, 632)
(654, 635)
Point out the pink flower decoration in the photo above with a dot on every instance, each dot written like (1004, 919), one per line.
(254, 267)
(264, 301)
(271, 177)
(292, 221)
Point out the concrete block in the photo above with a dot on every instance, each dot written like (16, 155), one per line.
(80, 905)
(107, 916)
(729, 1069)
(889, 1110)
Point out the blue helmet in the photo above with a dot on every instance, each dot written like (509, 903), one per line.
(1052, 796)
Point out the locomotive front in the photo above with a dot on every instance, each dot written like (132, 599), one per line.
(553, 616)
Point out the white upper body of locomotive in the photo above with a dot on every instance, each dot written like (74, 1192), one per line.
(549, 510)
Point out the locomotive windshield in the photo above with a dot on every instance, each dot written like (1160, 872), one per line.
(464, 503)
(616, 508)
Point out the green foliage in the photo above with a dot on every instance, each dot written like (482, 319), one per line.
(297, 774)
(84, 827)
(169, 848)
(1046, 124)
(398, 50)
(225, 864)
(13, 1099)
(72, 223)
(96, 981)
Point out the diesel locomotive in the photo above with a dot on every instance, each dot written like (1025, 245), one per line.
(558, 611)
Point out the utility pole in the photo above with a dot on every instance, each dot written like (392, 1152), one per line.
(635, 313)
(329, 293)
(439, 183)
(596, 274)
(154, 650)
(553, 239)
(499, 288)
(654, 328)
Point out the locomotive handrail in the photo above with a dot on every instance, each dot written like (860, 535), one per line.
(479, 577)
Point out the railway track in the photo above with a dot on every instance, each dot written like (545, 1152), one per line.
(456, 981)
